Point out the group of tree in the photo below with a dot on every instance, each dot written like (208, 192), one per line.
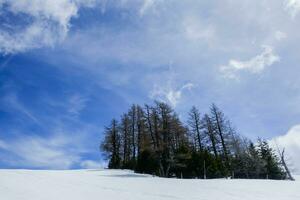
(152, 139)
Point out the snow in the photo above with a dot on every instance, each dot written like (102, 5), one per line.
(126, 185)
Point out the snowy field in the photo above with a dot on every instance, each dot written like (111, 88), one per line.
(125, 185)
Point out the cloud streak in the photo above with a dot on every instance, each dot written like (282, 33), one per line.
(15, 106)
(76, 104)
(254, 65)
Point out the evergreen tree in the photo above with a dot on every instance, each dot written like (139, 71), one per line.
(111, 145)
(271, 169)
(125, 136)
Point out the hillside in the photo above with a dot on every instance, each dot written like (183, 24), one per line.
(126, 185)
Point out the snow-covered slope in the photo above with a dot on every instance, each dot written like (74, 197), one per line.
(125, 185)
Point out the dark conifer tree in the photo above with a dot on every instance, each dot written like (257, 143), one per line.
(125, 136)
(111, 145)
(271, 169)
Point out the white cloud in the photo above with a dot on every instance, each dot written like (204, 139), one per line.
(292, 6)
(169, 94)
(52, 152)
(49, 23)
(254, 65)
(40, 152)
(291, 142)
(58, 10)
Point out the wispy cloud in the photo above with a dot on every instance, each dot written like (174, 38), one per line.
(45, 22)
(39, 152)
(293, 7)
(254, 65)
(76, 104)
(14, 105)
(169, 93)
(61, 150)
(56, 143)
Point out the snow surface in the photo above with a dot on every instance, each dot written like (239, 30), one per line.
(126, 185)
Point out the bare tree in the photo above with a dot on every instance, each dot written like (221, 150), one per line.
(283, 162)
(211, 134)
(194, 123)
(219, 123)
(150, 126)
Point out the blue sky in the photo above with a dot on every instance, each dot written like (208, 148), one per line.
(68, 66)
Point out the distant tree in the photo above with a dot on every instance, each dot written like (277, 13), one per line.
(165, 112)
(182, 158)
(126, 141)
(271, 169)
(149, 125)
(147, 162)
(209, 131)
(111, 145)
(221, 126)
(132, 117)
(194, 122)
